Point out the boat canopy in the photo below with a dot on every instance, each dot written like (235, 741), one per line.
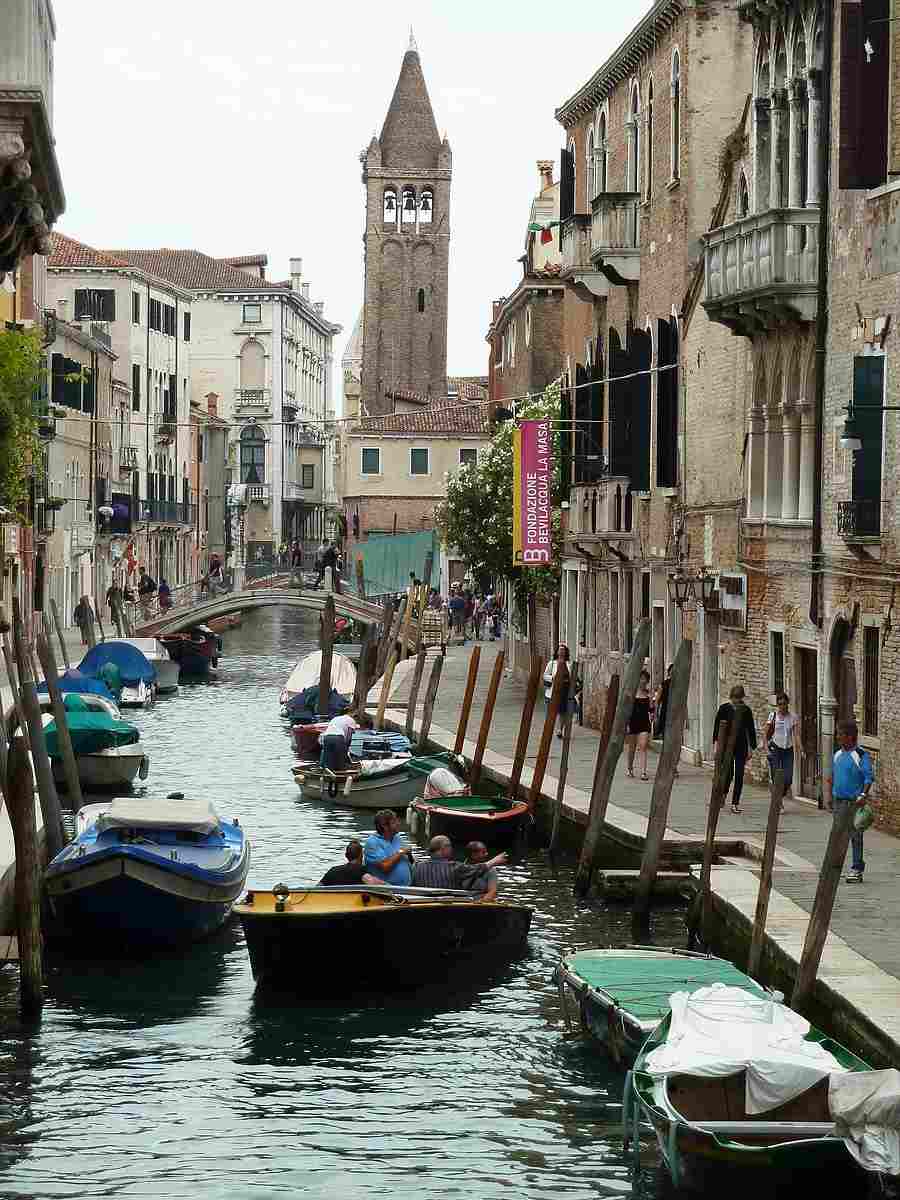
(133, 666)
(306, 674)
(91, 731)
(74, 680)
(195, 816)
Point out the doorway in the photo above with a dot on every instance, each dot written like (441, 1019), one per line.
(808, 703)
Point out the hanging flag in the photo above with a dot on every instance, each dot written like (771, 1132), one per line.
(532, 473)
(546, 231)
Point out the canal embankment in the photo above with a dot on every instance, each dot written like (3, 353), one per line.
(857, 996)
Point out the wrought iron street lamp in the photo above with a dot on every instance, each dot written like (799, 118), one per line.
(692, 591)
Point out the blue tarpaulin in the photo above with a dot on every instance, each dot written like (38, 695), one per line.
(388, 560)
(74, 680)
(133, 666)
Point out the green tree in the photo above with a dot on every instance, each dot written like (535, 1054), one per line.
(21, 369)
(476, 516)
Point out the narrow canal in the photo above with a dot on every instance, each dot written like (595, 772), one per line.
(168, 1077)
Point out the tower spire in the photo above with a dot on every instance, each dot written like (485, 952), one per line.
(409, 136)
(412, 42)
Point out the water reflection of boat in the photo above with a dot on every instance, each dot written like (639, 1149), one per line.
(382, 935)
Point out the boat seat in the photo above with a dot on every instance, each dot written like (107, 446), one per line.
(701, 1100)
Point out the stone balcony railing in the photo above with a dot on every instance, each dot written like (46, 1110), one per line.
(602, 510)
(575, 244)
(762, 270)
(616, 235)
(257, 399)
(258, 493)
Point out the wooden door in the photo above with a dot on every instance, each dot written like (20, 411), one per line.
(809, 723)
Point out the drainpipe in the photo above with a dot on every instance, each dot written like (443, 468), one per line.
(827, 702)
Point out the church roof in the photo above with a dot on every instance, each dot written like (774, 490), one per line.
(463, 411)
(409, 136)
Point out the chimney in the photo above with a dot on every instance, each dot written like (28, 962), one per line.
(545, 172)
(296, 273)
(305, 287)
(212, 404)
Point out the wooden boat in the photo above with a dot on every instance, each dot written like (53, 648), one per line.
(306, 675)
(371, 784)
(196, 652)
(365, 743)
(622, 995)
(147, 871)
(384, 936)
(108, 751)
(167, 670)
(704, 1105)
(490, 818)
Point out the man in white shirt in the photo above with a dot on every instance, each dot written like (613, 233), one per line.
(335, 740)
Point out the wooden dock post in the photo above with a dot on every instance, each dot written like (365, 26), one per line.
(20, 803)
(326, 645)
(765, 874)
(386, 680)
(467, 700)
(360, 578)
(823, 906)
(404, 625)
(673, 736)
(531, 694)
(434, 680)
(560, 680)
(698, 917)
(606, 770)
(51, 678)
(486, 717)
(563, 763)
(31, 711)
(384, 642)
(13, 685)
(54, 612)
(414, 692)
(365, 670)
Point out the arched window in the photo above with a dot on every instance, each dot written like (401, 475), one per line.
(253, 367)
(743, 200)
(408, 207)
(675, 92)
(591, 166)
(528, 325)
(649, 166)
(634, 145)
(426, 206)
(420, 300)
(603, 153)
(390, 206)
(574, 160)
(513, 338)
(253, 455)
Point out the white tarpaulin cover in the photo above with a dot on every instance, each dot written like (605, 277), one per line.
(865, 1106)
(721, 1030)
(306, 674)
(371, 768)
(198, 816)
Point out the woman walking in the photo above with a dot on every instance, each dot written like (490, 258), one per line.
(637, 731)
(783, 741)
(549, 675)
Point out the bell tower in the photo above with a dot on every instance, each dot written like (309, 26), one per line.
(406, 172)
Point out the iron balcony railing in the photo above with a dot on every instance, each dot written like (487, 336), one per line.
(258, 493)
(859, 519)
(128, 458)
(171, 511)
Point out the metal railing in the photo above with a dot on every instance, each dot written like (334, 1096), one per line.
(169, 510)
(859, 519)
(258, 493)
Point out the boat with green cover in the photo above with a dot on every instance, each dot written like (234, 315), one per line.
(622, 995)
(488, 817)
(740, 1090)
(108, 753)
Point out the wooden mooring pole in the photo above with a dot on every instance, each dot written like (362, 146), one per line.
(326, 645)
(563, 764)
(560, 681)
(434, 680)
(765, 875)
(88, 626)
(486, 717)
(603, 779)
(414, 692)
(673, 737)
(531, 695)
(54, 612)
(384, 643)
(700, 912)
(588, 851)
(467, 700)
(20, 803)
(365, 670)
(360, 578)
(51, 678)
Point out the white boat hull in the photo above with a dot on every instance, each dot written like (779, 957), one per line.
(167, 672)
(113, 768)
(386, 791)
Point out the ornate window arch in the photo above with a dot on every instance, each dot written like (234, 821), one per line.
(743, 195)
(634, 144)
(253, 455)
(602, 150)
(591, 158)
(675, 120)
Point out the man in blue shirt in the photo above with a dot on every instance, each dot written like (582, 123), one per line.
(852, 777)
(384, 854)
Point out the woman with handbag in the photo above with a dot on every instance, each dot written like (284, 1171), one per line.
(783, 740)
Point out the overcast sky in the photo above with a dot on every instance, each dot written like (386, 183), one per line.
(236, 128)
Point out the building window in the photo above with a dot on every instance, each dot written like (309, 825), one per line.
(408, 207)
(253, 367)
(628, 580)
(634, 142)
(645, 596)
(776, 661)
(528, 325)
(371, 461)
(871, 651)
(675, 131)
(591, 159)
(252, 314)
(95, 304)
(390, 206)
(649, 166)
(614, 643)
(135, 308)
(868, 415)
(468, 457)
(169, 320)
(743, 204)
(154, 316)
(187, 327)
(253, 455)
(135, 387)
(602, 153)
(420, 300)
(418, 461)
(513, 339)
(426, 206)
(865, 93)
(307, 476)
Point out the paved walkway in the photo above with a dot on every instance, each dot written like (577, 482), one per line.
(866, 917)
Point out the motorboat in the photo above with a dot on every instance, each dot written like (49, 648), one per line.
(73, 680)
(108, 751)
(623, 994)
(125, 670)
(487, 816)
(147, 871)
(387, 936)
(740, 1090)
(372, 783)
(306, 675)
(365, 743)
(196, 651)
(167, 670)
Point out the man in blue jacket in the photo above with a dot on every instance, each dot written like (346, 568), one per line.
(852, 777)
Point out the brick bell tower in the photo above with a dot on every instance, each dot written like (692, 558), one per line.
(406, 172)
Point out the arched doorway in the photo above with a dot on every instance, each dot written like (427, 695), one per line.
(838, 695)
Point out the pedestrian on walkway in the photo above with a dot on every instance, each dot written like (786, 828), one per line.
(84, 618)
(744, 744)
(637, 731)
(456, 606)
(783, 741)
(852, 777)
(165, 596)
(549, 675)
(114, 601)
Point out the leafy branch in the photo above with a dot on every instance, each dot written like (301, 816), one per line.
(21, 370)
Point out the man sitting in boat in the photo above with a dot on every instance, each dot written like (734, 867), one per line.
(384, 854)
(440, 870)
(351, 872)
(335, 741)
(483, 882)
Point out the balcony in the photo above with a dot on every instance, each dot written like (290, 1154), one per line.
(258, 493)
(128, 459)
(166, 433)
(575, 255)
(602, 512)
(289, 411)
(762, 271)
(859, 520)
(255, 402)
(169, 512)
(616, 236)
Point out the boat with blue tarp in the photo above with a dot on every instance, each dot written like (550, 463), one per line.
(120, 662)
(147, 871)
(73, 680)
(108, 751)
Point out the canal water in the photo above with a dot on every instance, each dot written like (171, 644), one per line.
(168, 1077)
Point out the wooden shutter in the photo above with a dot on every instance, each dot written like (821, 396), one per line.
(82, 303)
(187, 327)
(868, 393)
(173, 396)
(864, 93)
(566, 185)
(106, 305)
(88, 395)
(135, 387)
(58, 379)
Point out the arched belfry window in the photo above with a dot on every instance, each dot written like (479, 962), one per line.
(675, 93)
(426, 206)
(420, 300)
(408, 207)
(390, 206)
(253, 455)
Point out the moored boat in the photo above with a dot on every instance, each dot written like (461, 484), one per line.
(373, 783)
(118, 662)
(741, 1090)
(485, 817)
(147, 871)
(167, 670)
(623, 994)
(108, 751)
(306, 675)
(390, 937)
(196, 651)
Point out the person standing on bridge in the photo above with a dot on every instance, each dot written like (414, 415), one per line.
(146, 591)
(165, 596)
